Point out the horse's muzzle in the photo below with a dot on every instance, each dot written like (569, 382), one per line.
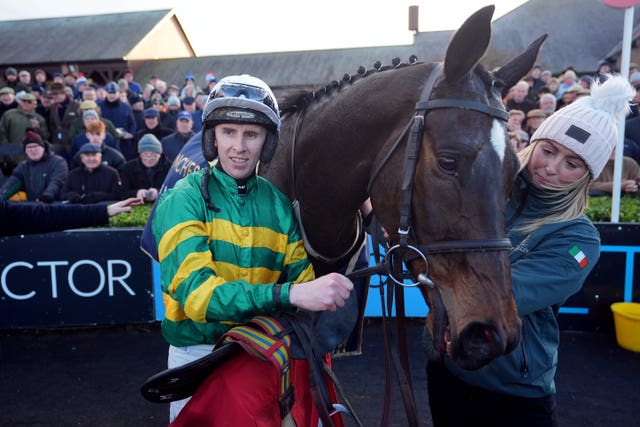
(479, 343)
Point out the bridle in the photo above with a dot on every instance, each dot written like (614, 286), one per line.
(415, 129)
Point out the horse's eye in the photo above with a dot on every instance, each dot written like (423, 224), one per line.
(448, 164)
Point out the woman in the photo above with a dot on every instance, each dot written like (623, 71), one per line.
(555, 247)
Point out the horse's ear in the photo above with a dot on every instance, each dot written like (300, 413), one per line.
(468, 44)
(519, 66)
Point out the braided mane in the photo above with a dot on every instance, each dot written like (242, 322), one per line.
(291, 100)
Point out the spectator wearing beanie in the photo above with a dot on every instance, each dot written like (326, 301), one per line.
(39, 178)
(143, 176)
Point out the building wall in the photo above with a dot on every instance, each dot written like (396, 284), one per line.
(165, 41)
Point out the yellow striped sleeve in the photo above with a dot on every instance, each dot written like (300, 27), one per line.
(195, 261)
(198, 300)
(179, 233)
(295, 252)
(172, 308)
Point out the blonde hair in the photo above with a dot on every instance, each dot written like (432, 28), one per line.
(566, 202)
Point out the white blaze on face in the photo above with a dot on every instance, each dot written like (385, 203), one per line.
(498, 139)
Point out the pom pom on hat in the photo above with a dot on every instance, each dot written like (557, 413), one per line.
(589, 126)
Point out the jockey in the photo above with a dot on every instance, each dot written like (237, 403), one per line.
(230, 249)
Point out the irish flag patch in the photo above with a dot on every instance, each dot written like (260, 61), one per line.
(579, 256)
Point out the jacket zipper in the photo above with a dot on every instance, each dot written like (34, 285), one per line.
(524, 367)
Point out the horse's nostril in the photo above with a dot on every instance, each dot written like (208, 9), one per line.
(488, 335)
(480, 341)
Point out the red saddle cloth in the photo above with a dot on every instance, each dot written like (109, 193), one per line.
(244, 391)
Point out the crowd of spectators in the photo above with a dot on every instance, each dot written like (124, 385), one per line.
(65, 139)
(538, 95)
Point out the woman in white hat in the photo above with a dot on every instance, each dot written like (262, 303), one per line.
(555, 246)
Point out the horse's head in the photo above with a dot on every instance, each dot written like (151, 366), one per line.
(463, 175)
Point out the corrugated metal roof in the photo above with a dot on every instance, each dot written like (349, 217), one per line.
(304, 68)
(75, 39)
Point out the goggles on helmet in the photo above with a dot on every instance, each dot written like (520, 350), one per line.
(234, 90)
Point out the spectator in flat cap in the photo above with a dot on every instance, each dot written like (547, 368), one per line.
(172, 144)
(92, 181)
(63, 113)
(39, 178)
(535, 118)
(144, 175)
(7, 100)
(24, 81)
(14, 124)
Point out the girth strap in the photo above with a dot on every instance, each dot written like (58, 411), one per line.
(263, 337)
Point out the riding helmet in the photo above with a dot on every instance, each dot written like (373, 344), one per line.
(241, 99)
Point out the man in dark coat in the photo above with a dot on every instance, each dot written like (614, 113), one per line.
(94, 181)
(40, 177)
(143, 176)
(152, 125)
(172, 144)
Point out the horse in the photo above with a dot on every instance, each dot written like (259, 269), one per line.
(425, 142)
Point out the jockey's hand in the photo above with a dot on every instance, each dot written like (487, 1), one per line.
(326, 293)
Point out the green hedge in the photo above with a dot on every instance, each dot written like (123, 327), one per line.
(136, 218)
(599, 209)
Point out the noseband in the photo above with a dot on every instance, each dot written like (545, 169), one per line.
(416, 129)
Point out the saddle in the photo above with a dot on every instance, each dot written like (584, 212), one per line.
(299, 335)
